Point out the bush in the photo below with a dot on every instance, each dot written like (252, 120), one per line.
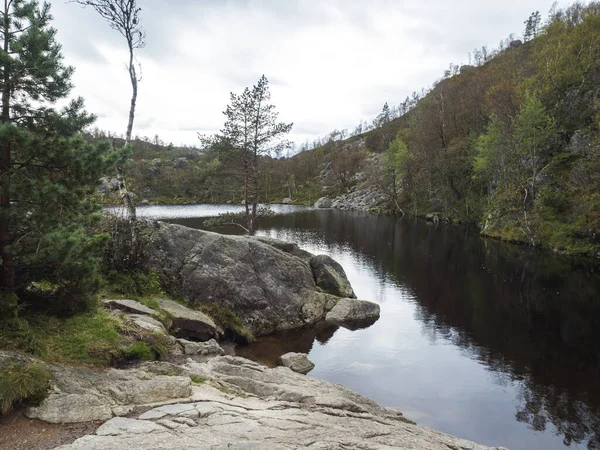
(20, 384)
(137, 285)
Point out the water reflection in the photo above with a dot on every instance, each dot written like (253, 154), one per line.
(487, 341)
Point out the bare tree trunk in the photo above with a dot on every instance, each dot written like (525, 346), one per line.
(125, 194)
(8, 268)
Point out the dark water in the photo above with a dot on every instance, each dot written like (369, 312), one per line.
(490, 342)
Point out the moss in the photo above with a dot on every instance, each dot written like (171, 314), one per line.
(198, 380)
(22, 384)
(228, 320)
(90, 338)
(140, 351)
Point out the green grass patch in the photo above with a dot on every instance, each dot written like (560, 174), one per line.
(22, 384)
(228, 320)
(89, 338)
(136, 285)
(140, 351)
(198, 380)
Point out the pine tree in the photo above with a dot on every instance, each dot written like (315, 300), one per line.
(251, 131)
(47, 169)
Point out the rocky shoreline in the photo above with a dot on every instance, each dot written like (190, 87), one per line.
(198, 397)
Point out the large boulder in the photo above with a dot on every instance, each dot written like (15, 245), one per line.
(188, 323)
(323, 202)
(330, 276)
(298, 362)
(270, 285)
(353, 314)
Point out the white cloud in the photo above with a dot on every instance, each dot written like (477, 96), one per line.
(331, 63)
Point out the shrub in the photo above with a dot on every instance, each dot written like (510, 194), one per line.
(19, 384)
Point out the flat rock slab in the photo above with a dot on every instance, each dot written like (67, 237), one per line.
(148, 323)
(129, 306)
(351, 313)
(298, 362)
(188, 323)
(336, 418)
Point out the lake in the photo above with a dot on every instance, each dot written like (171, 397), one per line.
(491, 342)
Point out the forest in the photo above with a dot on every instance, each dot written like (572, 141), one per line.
(508, 144)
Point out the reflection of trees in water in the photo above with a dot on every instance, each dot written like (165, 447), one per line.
(528, 316)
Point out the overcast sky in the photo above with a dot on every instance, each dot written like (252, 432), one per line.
(331, 63)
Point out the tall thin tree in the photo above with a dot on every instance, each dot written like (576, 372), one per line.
(124, 17)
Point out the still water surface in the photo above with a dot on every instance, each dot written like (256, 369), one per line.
(490, 342)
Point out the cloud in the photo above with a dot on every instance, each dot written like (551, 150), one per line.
(331, 63)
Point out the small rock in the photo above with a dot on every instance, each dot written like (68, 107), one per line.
(201, 348)
(287, 201)
(129, 306)
(147, 323)
(298, 362)
(352, 313)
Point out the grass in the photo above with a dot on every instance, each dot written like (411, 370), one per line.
(140, 351)
(22, 384)
(228, 320)
(198, 380)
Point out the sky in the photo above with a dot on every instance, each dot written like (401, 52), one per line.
(330, 63)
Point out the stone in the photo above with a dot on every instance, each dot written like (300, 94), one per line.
(201, 348)
(188, 323)
(353, 314)
(123, 426)
(287, 201)
(323, 202)
(269, 284)
(330, 276)
(145, 202)
(129, 306)
(298, 362)
(180, 163)
(71, 408)
(275, 409)
(147, 323)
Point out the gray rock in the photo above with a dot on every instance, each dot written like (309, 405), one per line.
(201, 348)
(287, 201)
(323, 202)
(72, 408)
(145, 202)
(353, 314)
(147, 323)
(269, 284)
(130, 306)
(180, 163)
(330, 276)
(581, 143)
(298, 362)
(188, 323)
(274, 409)
(123, 426)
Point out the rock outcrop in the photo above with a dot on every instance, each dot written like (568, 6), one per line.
(298, 362)
(271, 285)
(245, 405)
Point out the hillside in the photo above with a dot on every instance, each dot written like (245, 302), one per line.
(510, 145)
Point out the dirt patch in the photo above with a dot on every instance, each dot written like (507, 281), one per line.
(17, 432)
